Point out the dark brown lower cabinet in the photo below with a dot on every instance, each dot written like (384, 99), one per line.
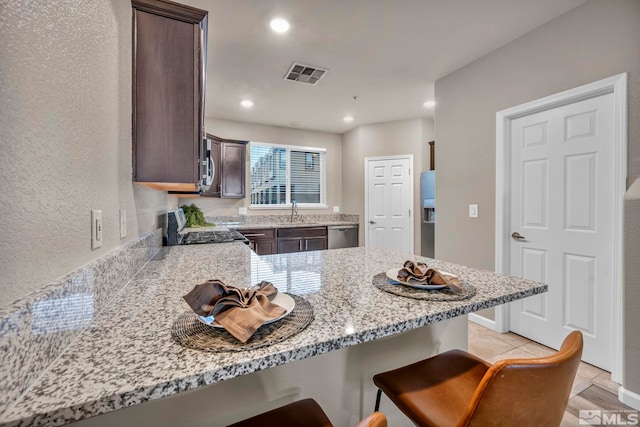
(300, 239)
(261, 240)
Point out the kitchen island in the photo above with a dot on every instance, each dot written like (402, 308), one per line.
(127, 366)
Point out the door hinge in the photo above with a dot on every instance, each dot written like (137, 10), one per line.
(409, 213)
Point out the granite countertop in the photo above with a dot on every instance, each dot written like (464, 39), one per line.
(127, 356)
(289, 225)
(221, 226)
(244, 222)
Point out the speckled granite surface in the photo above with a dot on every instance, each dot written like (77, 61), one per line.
(282, 221)
(38, 328)
(126, 356)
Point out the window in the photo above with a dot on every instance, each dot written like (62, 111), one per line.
(281, 174)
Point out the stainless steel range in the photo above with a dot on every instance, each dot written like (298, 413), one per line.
(176, 222)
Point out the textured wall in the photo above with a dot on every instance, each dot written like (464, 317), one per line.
(65, 126)
(384, 139)
(276, 135)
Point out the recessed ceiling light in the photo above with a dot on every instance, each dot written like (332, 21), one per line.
(348, 119)
(429, 104)
(247, 103)
(279, 25)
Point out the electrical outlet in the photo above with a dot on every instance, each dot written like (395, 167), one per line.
(123, 223)
(336, 209)
(242, 211)
(473, 211)
(96, 229)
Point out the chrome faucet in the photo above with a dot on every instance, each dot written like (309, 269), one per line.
(294, 210)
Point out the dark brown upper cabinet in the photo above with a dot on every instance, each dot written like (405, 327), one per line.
(229, 159)
(169, 58)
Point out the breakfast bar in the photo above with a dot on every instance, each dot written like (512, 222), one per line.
(126, 368)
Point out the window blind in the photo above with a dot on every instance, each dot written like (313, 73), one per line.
(283, 174)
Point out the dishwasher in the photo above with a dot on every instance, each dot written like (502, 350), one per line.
(342, 236)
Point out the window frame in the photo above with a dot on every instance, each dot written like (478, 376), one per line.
(322, 164)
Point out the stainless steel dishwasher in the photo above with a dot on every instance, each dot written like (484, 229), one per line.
(342, 236)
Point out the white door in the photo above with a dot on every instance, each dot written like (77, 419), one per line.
(562, 198)
(389, 200)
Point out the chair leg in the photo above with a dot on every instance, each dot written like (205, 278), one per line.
(378, 400)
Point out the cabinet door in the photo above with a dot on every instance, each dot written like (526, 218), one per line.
(232, 179)
(289, 244)
(315, 243)
(229, 156)
(167, 98)
(264, 246)
(261, 240)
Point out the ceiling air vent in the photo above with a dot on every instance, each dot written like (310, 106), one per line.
(304, 73)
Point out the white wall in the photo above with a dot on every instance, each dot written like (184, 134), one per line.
(275, 135)
(384, 139)
(65, 121)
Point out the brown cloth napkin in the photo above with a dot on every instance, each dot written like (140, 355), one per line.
(240, 311)
(418, 273)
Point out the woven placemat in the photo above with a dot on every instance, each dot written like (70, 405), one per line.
(188, 331)
(382, 282)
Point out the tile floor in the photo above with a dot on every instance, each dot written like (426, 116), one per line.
(592, 388)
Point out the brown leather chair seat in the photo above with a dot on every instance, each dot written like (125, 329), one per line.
(458, 389)
(303, 413)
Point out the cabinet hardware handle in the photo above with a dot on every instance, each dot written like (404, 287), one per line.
(300, 244)
(253, 235)
(255, 245)
(306, 245)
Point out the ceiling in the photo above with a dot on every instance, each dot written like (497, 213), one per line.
(383, 56)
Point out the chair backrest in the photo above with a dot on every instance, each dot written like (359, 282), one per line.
(377, 419)
(526, 392)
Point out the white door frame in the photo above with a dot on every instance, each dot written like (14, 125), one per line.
(366, 194)
(618, 86)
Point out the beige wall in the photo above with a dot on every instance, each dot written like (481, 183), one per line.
(596, 40)
(384, 139)
(631, 379)
(65, 82)
(275, 135)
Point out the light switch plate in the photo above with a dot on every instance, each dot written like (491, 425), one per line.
(123, 223)
(96, 229)
(336, 209)
(473, 211)
(242, 211)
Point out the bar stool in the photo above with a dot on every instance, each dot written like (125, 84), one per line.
(458, 389)
(303, 413)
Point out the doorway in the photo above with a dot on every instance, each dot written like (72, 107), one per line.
(388, 202)
(560, 182)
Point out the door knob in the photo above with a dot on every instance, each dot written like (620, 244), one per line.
(372, 222)
(517, 236)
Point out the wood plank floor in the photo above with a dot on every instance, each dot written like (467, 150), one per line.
(592, 388)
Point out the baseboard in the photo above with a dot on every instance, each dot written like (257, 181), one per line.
(629, 398)
(482, 321)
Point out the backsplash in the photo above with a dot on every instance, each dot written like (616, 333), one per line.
(280, 219)
(35, 330)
